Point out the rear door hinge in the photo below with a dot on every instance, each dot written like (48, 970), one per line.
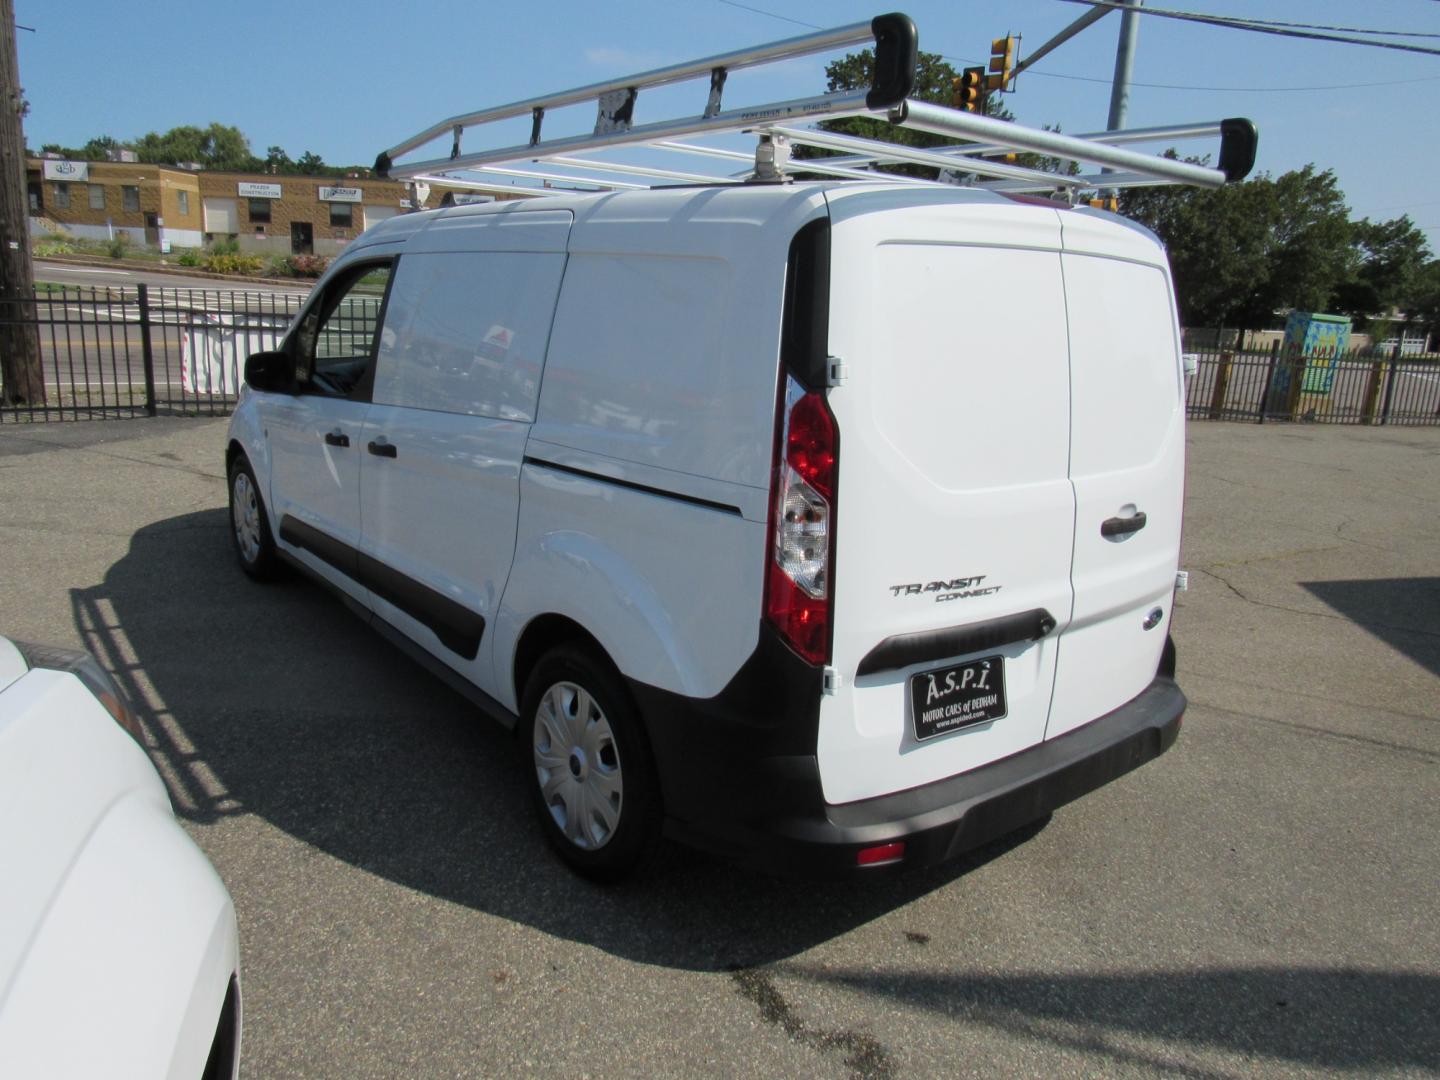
(836, 371)
(831, 681)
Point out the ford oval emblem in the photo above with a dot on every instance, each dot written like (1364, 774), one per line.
(1153, 619)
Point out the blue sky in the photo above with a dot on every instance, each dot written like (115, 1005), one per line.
(347, 80)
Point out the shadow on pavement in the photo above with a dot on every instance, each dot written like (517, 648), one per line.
(1402, 612)
(275, 701)
(1318, 1018)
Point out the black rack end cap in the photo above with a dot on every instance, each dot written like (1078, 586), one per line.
(382, 165)
(1239, 140)
(897, 49)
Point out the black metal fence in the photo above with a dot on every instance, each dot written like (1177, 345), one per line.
(1321, 386)
(138, 350)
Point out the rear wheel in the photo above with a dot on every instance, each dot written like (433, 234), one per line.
(591, 773)
(249, 525)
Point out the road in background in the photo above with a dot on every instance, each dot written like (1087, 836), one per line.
(1261, 901)
(104, 277)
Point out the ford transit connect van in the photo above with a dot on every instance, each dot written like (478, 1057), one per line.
(826, 526)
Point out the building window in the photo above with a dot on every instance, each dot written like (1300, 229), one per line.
(97, 197)
(183, 197)
(130, 197)
(341, 215)
(61, 193)
(260, 210)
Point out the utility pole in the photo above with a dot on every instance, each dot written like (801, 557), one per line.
(1124, 65)
(20, 371)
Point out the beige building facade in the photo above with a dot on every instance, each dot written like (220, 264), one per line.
(169, 208)
(98, 200)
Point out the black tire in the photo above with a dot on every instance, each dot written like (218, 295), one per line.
(598, 797)
(249, 524)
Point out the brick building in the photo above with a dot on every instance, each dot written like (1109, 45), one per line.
(95, 200)
(265, 214)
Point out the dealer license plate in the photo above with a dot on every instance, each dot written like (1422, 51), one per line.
(961, 696)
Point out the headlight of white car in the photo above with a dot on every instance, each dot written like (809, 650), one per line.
(88, 670)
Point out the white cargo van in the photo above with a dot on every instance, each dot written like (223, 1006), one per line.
(827, 525)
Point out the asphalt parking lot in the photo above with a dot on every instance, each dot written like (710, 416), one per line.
(1264, 900)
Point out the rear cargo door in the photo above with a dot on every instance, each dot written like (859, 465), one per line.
(1127, 463)
(955, 513)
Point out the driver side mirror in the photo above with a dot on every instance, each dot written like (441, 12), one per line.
(270, 371)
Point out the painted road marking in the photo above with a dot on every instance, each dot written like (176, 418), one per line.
(86, 270)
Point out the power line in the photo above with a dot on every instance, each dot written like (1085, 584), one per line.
(1106, 79)
(1241, 24)
(759, 11)
(1222, 89)
(1339, 29)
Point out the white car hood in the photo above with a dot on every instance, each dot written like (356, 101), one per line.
(64, 765)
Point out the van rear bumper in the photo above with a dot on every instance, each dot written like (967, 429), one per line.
(937, 821)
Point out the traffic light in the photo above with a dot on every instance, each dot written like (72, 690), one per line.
(1002, 63)
(968, 91)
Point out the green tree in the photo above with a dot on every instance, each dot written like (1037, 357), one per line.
(1388, 269)
(215, 147)
(1246, 251)
(1424, 304)
(311, 164)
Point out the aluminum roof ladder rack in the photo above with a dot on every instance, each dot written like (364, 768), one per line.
(780, 125)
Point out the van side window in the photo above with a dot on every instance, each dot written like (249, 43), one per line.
(336, 337)
(467, 332)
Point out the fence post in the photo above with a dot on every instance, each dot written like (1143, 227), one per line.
(1390, 378)
(1269, 382)
(1222, 385)
(1299, 363)
(147, 353)
(1368, 411)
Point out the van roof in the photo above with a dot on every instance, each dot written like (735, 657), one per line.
(759, 200)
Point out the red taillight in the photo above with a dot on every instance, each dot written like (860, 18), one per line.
(810, 444)
(883, 853)
(797, 580)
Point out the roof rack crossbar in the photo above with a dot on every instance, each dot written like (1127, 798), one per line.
(938, 120)
(1111, 138)
(879, 151)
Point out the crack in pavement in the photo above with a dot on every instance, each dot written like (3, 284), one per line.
(1313, 614)
(1427, 756)
(865, 1057)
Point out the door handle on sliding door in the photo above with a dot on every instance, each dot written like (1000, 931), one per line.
(336, 438)
(1118, 526)
(381, 448)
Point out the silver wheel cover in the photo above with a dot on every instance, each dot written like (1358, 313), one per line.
(245, 514)
(578, 766)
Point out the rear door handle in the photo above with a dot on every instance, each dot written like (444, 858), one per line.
(337, 438)
(382, 449)
(1118, 526)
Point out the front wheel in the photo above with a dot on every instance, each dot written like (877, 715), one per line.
(591, 772)
(249, 525)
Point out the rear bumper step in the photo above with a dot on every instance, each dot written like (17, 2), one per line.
(944, 819)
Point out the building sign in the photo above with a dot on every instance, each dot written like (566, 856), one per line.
(259, 191)
(67, 170)
(464, 199)
(339, 194)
